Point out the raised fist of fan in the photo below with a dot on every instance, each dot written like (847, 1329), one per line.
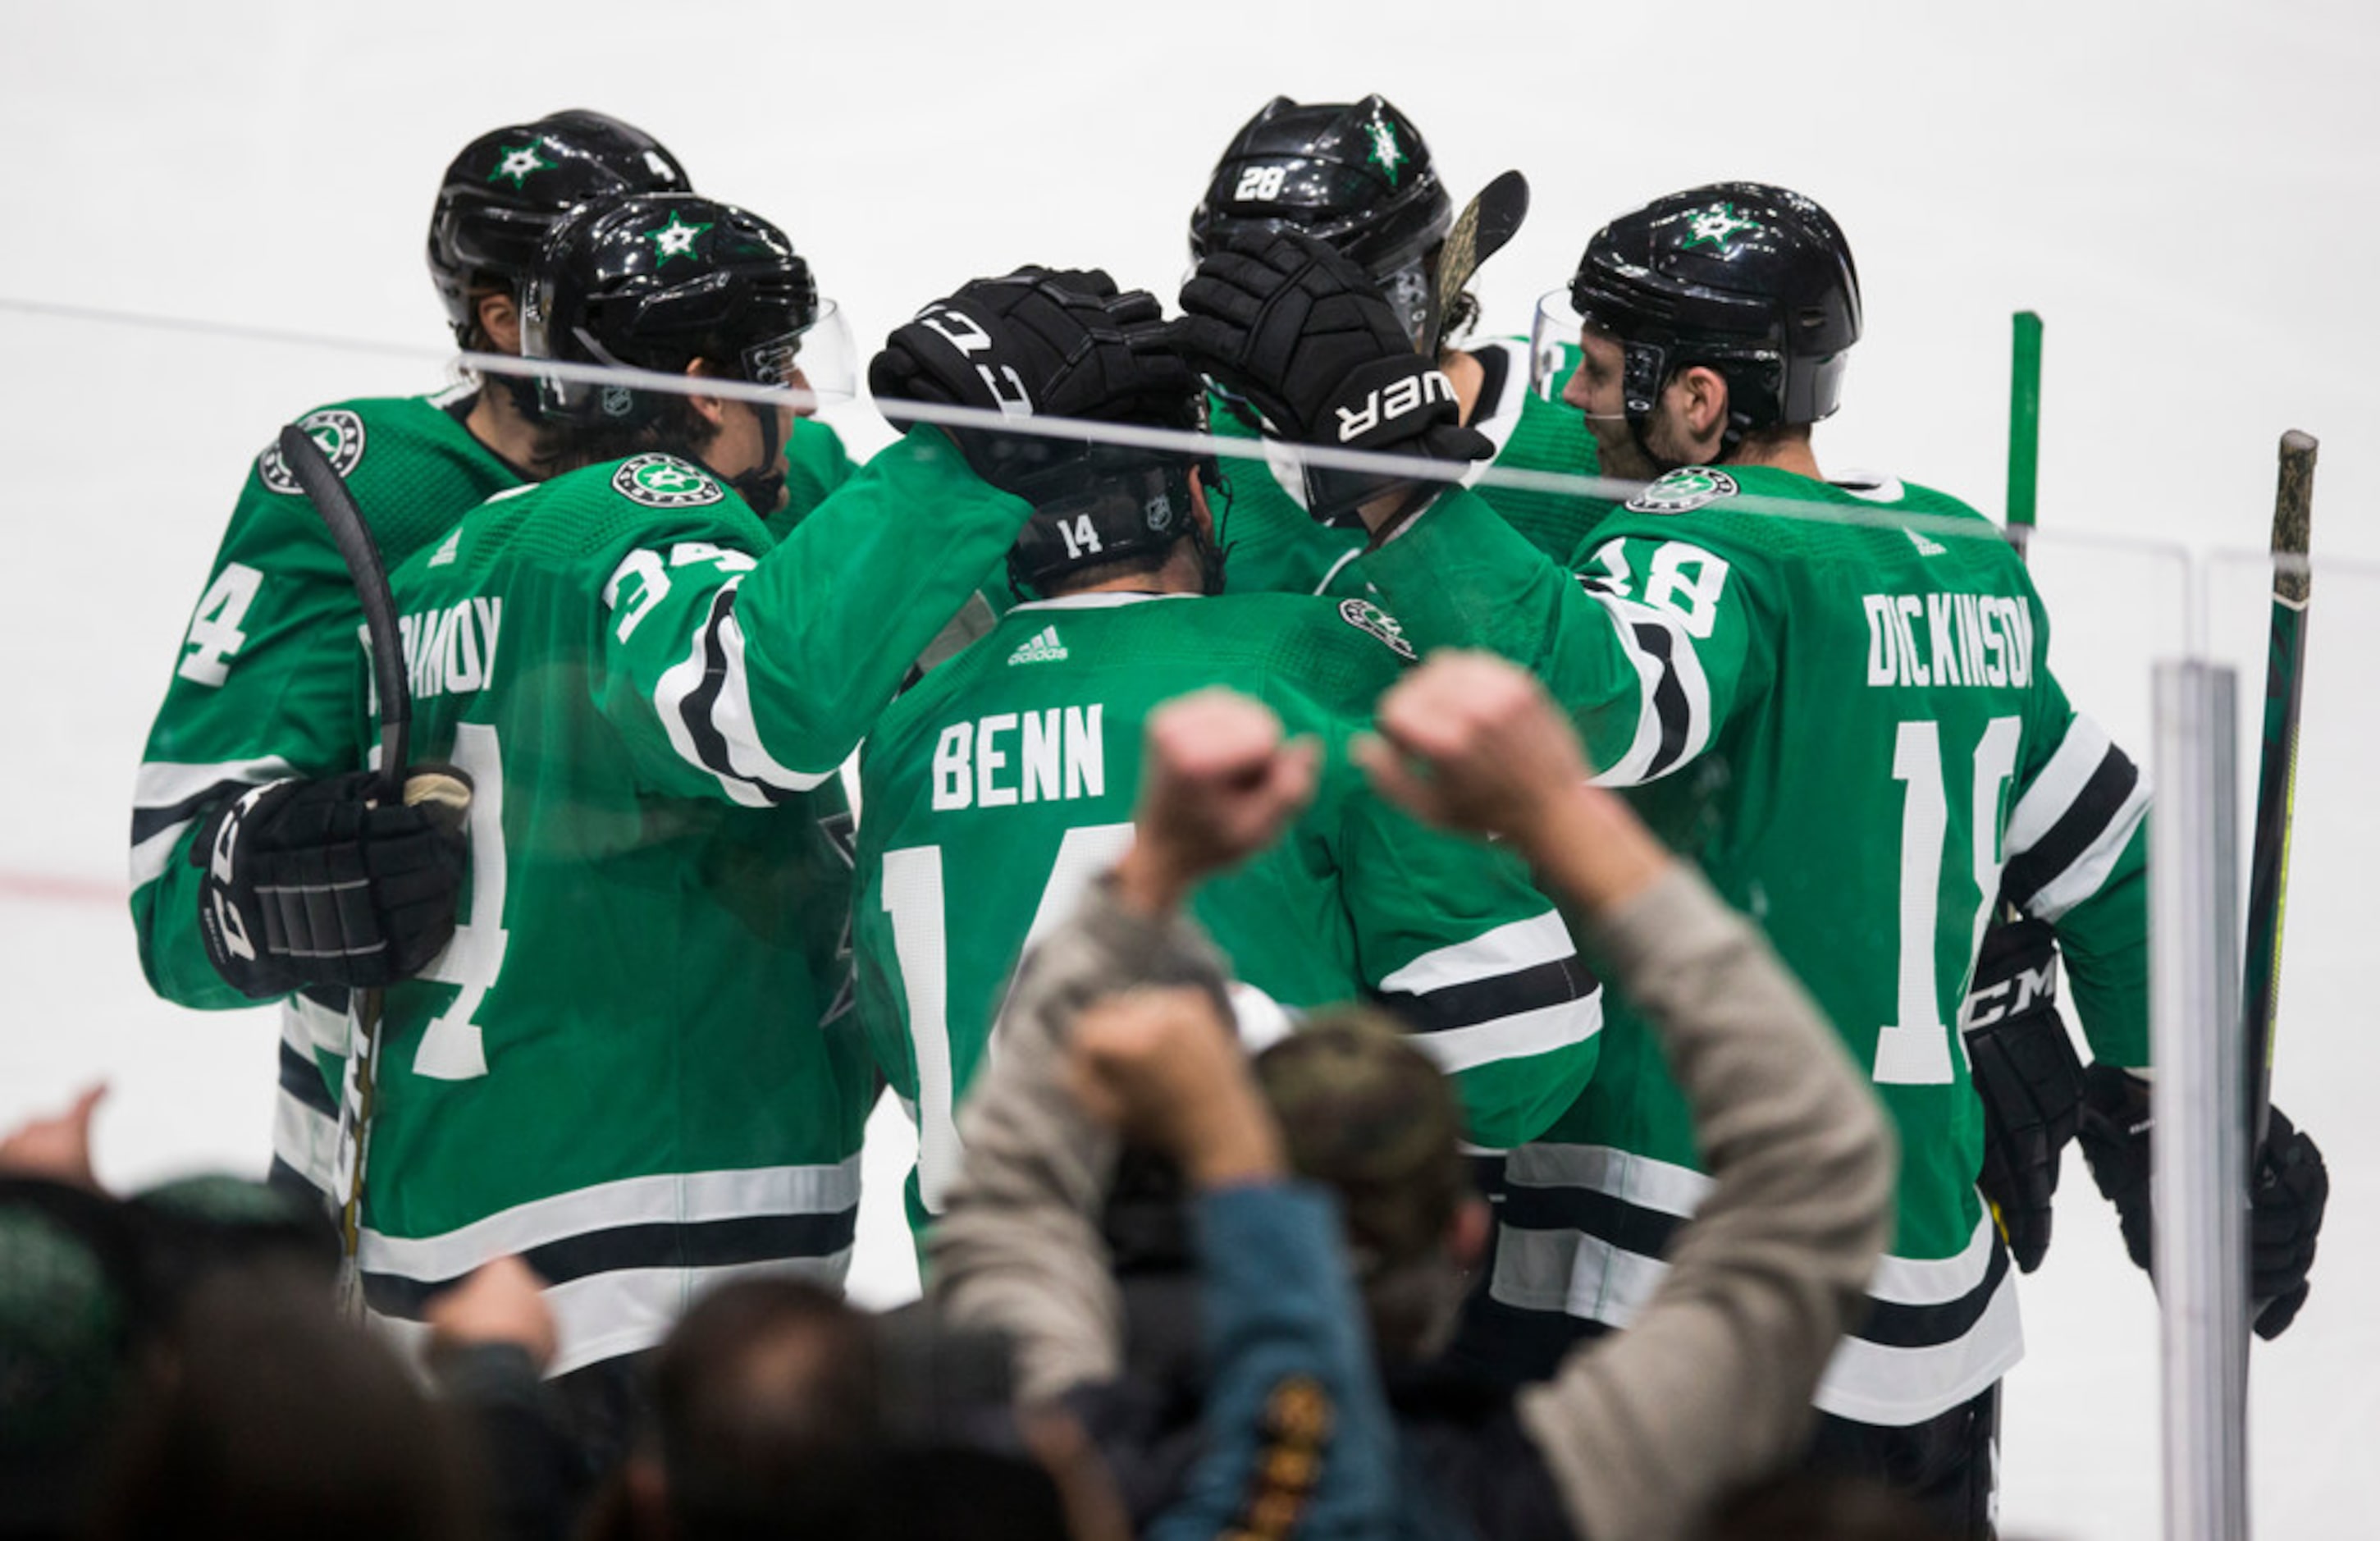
(1038, 341)
(1469, 742)
(323, 882)
(1303, 332)
(1218, 785)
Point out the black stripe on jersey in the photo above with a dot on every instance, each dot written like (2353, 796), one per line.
(303, 1080)
(147, 823)
(281, 1177)
(1502, 995)
(1630, 1227)
(1649, 1232)
(709, 743)
(1893, 1325)
(704, 1244)
(1668, 696)
(2084, 820)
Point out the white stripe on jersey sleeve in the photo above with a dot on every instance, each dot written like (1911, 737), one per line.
(2061, 781)
(1509, 947)
(2087, 871)
(750, 772)
(1684, 665)
(162, 785)
(1454, 1049)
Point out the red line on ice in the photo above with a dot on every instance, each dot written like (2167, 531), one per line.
(51, 887)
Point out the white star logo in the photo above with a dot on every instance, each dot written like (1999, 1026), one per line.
(1386, 150)
(1717, 226)
(520, 162)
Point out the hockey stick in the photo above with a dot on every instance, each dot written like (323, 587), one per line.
(353, 537)
(1487, 222)
(2024, 426)
(2276, 776)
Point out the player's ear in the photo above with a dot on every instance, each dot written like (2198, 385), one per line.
(711, 410)
(1698, 395)
(499, 320)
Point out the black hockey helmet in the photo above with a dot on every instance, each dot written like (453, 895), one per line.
(1356, 174)
(1096, 503)
(510, 185)
(1754, 281)
(656, 281)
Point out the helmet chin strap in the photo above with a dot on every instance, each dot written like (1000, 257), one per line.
(764, 484)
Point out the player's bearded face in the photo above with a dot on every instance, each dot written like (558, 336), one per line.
(1593, 388)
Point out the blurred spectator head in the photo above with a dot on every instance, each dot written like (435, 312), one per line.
(69, 1319)
(1367, 1113)
(264, 1413)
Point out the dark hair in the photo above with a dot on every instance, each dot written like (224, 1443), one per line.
(676, 427)
(267, 1415)
(765, 1398)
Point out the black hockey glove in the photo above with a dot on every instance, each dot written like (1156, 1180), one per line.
(317, 882)
(2284, 1219)
(1037, 343)
(1301, 332)
(2286, 1205)
(2029, 1077)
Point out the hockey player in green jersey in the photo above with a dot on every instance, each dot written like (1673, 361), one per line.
(1836, 697)
(1359, 176)
(262, 692)
(626, 1066)
(999, 787)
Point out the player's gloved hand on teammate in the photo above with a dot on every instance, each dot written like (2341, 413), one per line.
(1038, 341)
(2286, 1203)
(1303, 332)
(322, 882)
(2029, 1078)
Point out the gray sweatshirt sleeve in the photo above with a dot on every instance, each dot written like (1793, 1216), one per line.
(1017, 1248)
(1711, 1386)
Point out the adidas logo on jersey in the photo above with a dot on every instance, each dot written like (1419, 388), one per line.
(1925, 547)
(446, 553)
(1042, 646)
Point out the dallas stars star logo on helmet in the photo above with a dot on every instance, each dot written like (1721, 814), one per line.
(516, 163)
(1387, 154)
(1718, 227)
(664, 481)
(675, 239)
(1690, 487)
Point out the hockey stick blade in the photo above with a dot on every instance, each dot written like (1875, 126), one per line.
(1487, 222)
(2268, 858)
(337, 508)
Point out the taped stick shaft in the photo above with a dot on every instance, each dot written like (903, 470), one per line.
(2269, 860)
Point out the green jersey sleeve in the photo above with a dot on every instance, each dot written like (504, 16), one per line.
(263, 687)
(752, 676)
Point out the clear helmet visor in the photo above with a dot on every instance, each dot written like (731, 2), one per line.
(1553, 343)
(819, 361)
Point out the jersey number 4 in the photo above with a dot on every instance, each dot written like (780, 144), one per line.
(1915, 1048)
(215, 628)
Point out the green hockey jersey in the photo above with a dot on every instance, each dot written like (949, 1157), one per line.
(1272, 547)
(1001, 785)
(627, 1066)
(1836, 699)
(263, 687)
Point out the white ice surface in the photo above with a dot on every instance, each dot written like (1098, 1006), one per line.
(2187, 193)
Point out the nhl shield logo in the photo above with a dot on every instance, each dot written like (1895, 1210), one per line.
(664, 481)
(338, 431)
(1681, 490)
(1364, 615)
